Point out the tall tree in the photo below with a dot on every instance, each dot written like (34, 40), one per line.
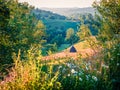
(22, 30)
(70, 36)
(4, 32)
(109, 34)
(110, 12)
(84, 32)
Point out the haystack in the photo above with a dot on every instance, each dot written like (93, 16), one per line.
(72, 49)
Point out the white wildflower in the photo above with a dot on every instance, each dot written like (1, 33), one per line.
(99, 72)
(105, 66)
(87, 77)
(87, 68)
(111, 58)
(73, 71)
(59, 67)
(118, 64)
(80, 79)
(89, 63)
(69, 65)
(94, 78)
(68, 75)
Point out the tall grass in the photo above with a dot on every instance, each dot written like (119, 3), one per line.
(32, 73)
(27, 75)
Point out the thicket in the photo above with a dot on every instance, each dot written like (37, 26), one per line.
(19, 29)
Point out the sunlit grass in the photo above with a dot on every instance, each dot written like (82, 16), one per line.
(36, 73)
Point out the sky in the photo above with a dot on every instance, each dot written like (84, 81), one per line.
(59, 3)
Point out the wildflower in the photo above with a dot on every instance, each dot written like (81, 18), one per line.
(69, 65)
(87, 68)
(111, 58)
(59, 67)
(80, 78)
(105, 66)
(80, 73)
(87, 77)
(68, 75)
(118, 64)
(73, 71)
(99, 72)
(94, 78)
(88, 63)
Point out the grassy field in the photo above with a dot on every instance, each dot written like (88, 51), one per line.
(83, 70)
(84, 50)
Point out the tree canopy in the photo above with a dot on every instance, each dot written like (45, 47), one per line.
(19, 29)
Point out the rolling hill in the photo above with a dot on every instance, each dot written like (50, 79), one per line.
(70, 12)
(84, 50)
(56, 25)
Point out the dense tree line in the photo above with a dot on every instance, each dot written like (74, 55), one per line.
(19, 29)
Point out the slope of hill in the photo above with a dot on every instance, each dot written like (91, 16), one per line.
(68, 12)
(83, 51)
(42, 14)
(56, 25)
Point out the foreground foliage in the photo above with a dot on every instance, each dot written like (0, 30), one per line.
(33, 74)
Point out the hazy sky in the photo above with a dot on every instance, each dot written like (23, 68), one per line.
(59, 3)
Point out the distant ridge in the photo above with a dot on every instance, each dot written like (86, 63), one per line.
(68, 12)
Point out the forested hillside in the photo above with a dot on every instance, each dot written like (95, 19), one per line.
(72, 12)
(57, 25)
